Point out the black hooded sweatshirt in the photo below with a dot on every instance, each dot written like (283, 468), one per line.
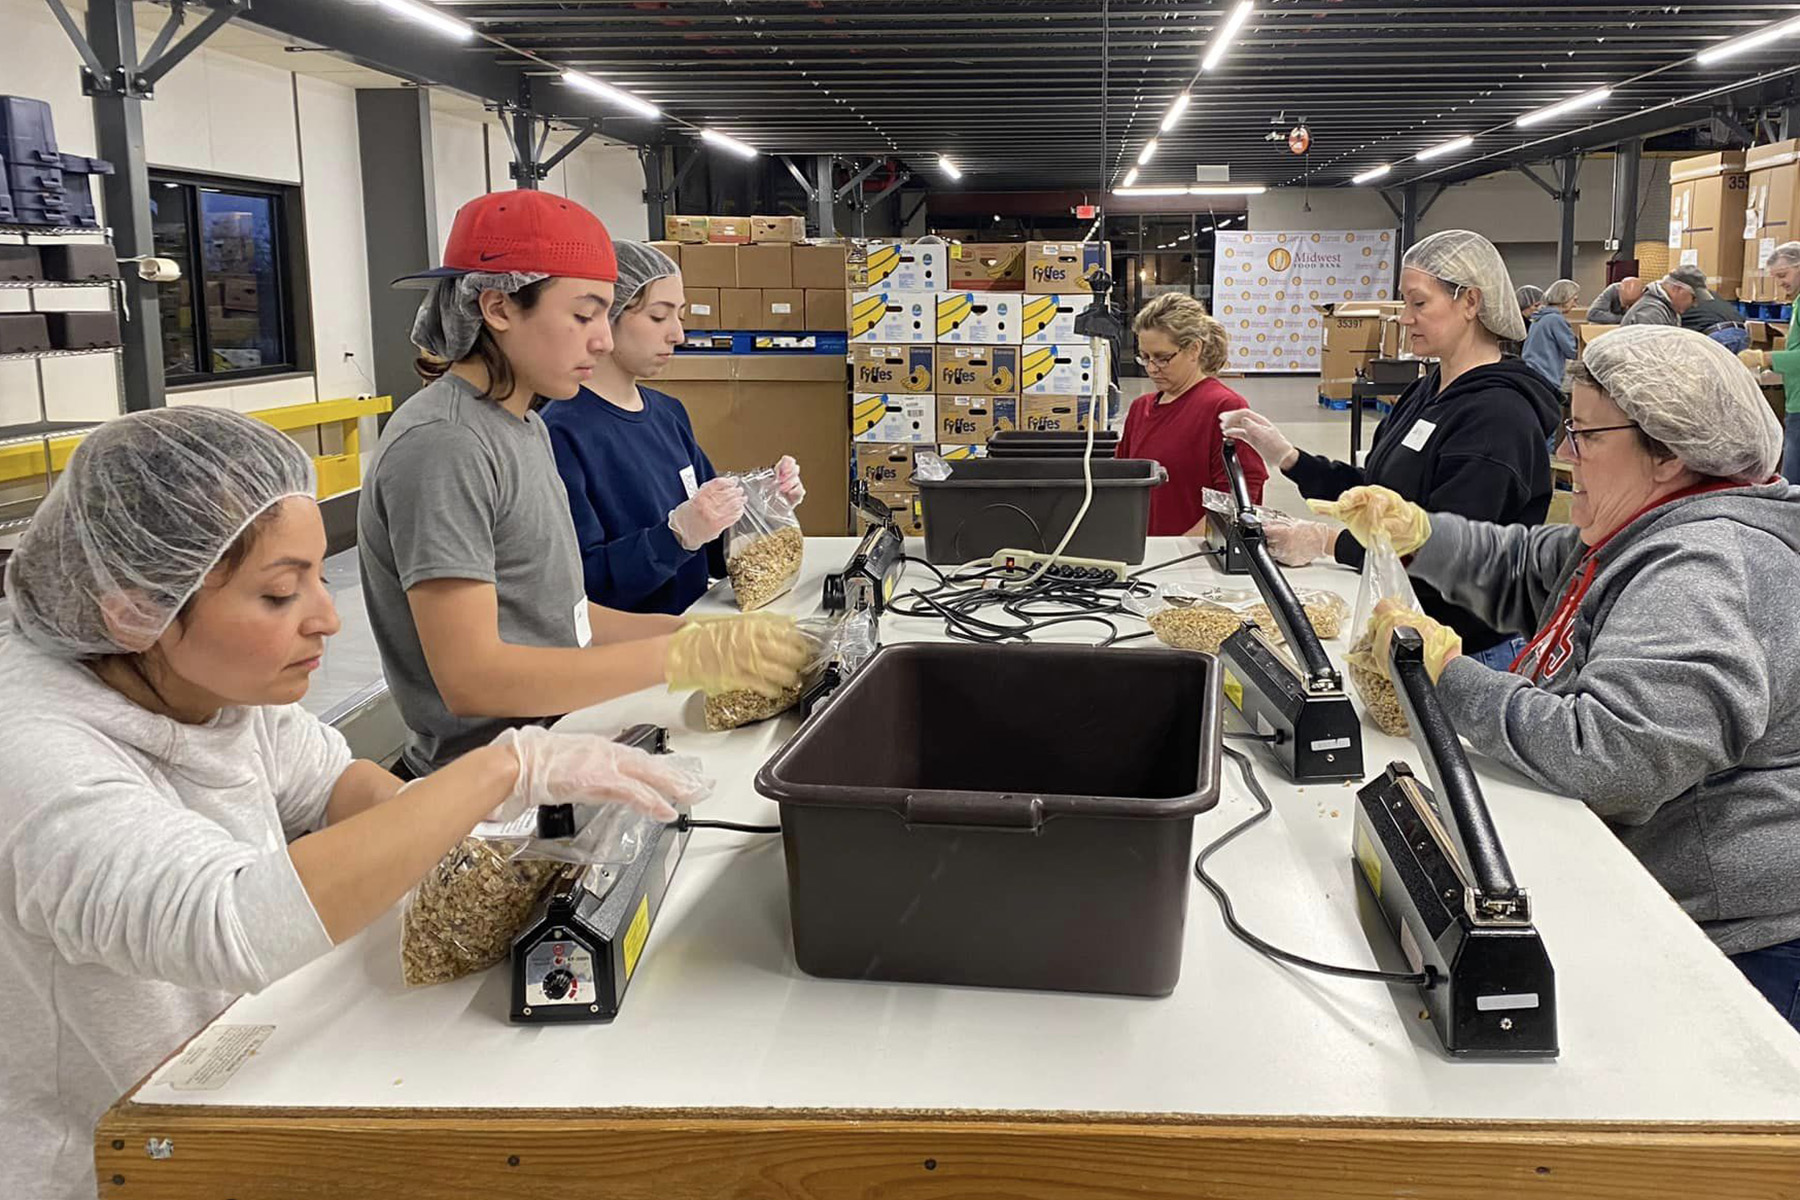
(1479, 449)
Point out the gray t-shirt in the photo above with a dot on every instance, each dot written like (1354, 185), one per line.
(462, 489)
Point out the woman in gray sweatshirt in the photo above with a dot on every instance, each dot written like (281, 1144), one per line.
(1661, 684)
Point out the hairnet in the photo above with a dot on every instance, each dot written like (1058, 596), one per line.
(1529, 294)
(640, 265)
(1691, 394)
(1691, 277)
(1787, 253)
(1561, 292)
(148, 505)
(450, 315)
(1464, 259)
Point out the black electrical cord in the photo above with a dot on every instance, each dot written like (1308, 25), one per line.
(1427, 978)
(1208, 552)
(683, 824)
(1007, 605)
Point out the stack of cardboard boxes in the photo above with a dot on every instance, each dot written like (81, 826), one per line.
(1771, 215)
(1708, 196)
(951, 343)
(1356, 333)
(757, 274)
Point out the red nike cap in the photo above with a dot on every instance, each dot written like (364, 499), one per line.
(526, 231)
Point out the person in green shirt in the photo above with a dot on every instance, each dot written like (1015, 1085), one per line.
(1784, 268)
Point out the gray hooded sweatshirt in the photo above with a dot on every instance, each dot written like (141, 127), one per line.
(1671, 704)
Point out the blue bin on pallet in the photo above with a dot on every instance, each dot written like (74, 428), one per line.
(27, 137)
(77, 191)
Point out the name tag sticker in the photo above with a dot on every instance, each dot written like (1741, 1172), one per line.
(584, 629)
(1418, 435)
(689, 483)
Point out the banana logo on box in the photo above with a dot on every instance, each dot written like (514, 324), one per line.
(867, 414)
(920, 379)
(882, 263)
(1040, 313)
(1001, 380)
(867, 314)
(1039, 361)
(953, 309)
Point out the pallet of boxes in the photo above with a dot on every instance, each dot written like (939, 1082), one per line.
(1708, 200)
(953, 342)
(761, 372)
(1356, 333)
(1771, 215)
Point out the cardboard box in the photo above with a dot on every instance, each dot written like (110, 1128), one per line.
(703, 309)
(238, 293)
(827, 311)
(777, 229)
(783, 310)
(987, 267)
(1058, 268)
(750, 409)
(672, 249)
(972, 420)
(1767, 335)
(1354, 334)
(891, 316)
(1054, 413)
(709, 266)
(884, 466)
(978, 370)
(1708, 194)
(686, 230)
(893, 417)
(1587, 331)
(1048, 320)
(820, 266)
(1771, 215)
(961, 453)
(770, 266)
(893, 369)
(907, 266)
(1066, 369)
(905, 509)
(978, 318)
(741, 308)
(734, 231)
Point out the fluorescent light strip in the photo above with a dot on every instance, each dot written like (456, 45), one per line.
(1222, 42)
(1372, 174)
(1131, 176)
(720, 140)
(949, 168)
(1443, 148)
(607, 91)
(1147, 153)
(1175, 110)
(1150, 191)
(424, 14)
(1749, 41)
(1551, 112)
(1220, 189)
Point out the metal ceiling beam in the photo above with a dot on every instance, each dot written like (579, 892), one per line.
(1568, 180)
(1527, 172)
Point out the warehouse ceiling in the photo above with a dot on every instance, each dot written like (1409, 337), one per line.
(1014, 90)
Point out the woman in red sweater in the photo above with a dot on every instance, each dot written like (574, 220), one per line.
(1182, 348)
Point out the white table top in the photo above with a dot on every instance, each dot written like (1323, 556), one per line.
(1656, 1025)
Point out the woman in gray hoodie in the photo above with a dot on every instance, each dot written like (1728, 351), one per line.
(1661, 684)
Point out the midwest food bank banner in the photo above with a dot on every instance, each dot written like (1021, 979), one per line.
(1269, 290)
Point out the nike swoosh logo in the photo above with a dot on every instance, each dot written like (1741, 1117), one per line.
(492, 257)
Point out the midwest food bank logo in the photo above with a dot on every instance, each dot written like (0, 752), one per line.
(1280, 259)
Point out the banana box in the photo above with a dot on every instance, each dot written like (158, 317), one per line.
(893, 368)
(1065, 369)
(907, 266)
(961, 453)
(1058, 268)
(987, 267)
(978, 370)
(1048, 320)
(972, 420)
(978, 318)
(889, 316)
(893, 417)
(1055, 413)
(884, 466)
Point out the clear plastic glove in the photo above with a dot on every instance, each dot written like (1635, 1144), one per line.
(1298, 543)
(761, 652)
(1261, 435)
(1367, 511)
(584, 768)
(1442, 643)
(1756, 360)
(710, 511)
(787, 481)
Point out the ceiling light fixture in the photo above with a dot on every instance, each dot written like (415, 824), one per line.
(1553, 111)
(1147, 153)
(1131, 177)
(720, 140)
(607, 91)
(1222, 41)
(949, 168)
(1372, 174)
(424, 14)
(1749, 41)
(1176, 110)
(1443, 148)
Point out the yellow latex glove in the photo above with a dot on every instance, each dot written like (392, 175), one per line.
(760, 652)
(1368, 510)
(1756, 360)
(1442, 643)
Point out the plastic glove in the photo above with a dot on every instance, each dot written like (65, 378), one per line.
(1261, 435)
(787, 481)
(1297, 543)
(1756, 360)
(584, 768)
(710, 511)
(1442, 643)
(1367, 511)
(761, 652)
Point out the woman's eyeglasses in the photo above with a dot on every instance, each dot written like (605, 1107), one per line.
(1573, 436)
(1156, 362)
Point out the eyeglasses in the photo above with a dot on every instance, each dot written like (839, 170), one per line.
(1157, 362)
(1574, 435)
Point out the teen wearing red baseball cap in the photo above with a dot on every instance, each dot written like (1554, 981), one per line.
(470, 566)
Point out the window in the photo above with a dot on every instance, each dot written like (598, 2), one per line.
(233, 313)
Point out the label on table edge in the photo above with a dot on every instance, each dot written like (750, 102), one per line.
(635, 936)
(1234, 688)
(214, 1056)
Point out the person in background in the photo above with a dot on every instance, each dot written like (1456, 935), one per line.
(648, 508)
(1718, 319)
(1531, 301)
(1664, 301)
(1471, 436)
(1784, 268)
(1615, 300)
(1660, 685)
(1183, 349)
(470, 567)
(177, 829)
(1550, 345)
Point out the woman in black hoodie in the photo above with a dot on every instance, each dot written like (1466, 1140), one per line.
(1471, 437)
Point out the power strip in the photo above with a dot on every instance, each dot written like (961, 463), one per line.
(1089, 570)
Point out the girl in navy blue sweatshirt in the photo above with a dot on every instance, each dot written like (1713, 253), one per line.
(649, 509)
